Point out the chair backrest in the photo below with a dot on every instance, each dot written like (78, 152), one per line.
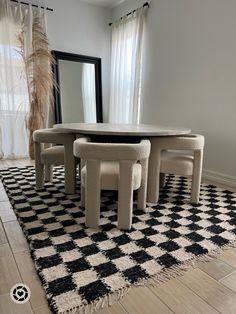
(51, 136)
(85, 149)
(183, 142)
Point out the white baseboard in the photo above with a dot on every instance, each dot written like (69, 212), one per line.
(219, 177)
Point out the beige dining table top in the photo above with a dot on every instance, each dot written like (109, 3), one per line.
(122, 129)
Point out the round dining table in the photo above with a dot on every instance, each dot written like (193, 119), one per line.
(120, 132)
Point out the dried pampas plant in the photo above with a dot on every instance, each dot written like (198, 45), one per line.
(40, 82)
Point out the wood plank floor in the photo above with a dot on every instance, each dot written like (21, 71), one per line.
(209, 288)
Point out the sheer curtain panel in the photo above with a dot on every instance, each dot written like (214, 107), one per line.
(14, 92)
(126, 60)
(13, 88)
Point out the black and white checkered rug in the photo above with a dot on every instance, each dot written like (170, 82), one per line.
(82, 268)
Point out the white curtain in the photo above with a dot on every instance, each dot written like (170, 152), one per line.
(14, 100)
(88, 93)
(126, 60)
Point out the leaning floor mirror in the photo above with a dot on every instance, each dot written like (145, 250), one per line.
(78, 96)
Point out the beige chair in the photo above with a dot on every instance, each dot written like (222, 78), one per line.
(45, 158)
(168, 155)
(112, 166)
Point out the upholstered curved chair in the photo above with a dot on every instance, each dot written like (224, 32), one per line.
(45, 158)
(181, 155)
(112, 166)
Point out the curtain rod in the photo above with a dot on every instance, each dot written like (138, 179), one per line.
(33, 5)
(146, 4)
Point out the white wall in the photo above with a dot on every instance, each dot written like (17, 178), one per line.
(190, 72)
(82, 28)
(126, 7)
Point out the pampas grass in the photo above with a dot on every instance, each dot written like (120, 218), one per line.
(40, 82)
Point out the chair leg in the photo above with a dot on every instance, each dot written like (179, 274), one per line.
(70, 167)
(142, 192)
(77, 169)
(153, 174)
(39, 167)
(92, 193)
(162, 179)
(82, 196)
(125, 197)
(82, 188)
(48, 173)
(196, 178)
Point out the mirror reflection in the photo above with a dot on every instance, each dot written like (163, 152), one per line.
(77, 91)
(78, 97)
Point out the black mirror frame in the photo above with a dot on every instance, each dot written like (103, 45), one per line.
(59, 55)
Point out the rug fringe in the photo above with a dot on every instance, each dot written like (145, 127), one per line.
(179, 270)
(101, 303)
(155, 280)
